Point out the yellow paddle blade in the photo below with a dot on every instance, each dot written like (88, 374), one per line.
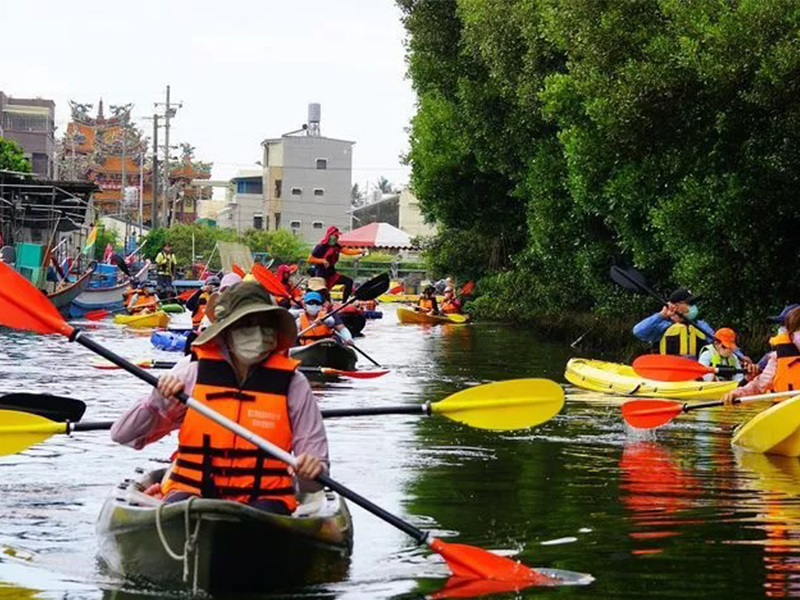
(20, 430)
(456, 318)
(504, 405)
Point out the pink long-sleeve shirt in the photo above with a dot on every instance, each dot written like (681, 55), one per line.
(762, 383)
(146, 421)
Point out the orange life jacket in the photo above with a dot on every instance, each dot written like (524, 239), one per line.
(426, 303)
(449, 307)
(319, 332)
(787, 375)
(215, 463)
(200, 311)
(144, 299)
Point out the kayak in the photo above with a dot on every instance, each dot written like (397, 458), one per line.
(172, 308)
(148, 321)
(325, 353)
(238, 549)
(353, 318)
(373, 314)
(404, 298)
(614, 378)
(408, 315)
(170, 341)
(772, 431)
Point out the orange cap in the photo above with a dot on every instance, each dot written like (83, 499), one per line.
(727, 337)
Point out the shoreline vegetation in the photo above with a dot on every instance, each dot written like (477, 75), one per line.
(555, 138)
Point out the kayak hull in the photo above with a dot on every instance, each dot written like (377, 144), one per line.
(772, 431)
(355, 321)
(408, 316)
(325, 353)
(622, 380)
(148, 321)
(238, 549)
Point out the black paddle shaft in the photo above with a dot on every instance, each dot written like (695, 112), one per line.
(323, 479)
(409, 409)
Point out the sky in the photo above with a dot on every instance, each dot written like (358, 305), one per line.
(244, 70)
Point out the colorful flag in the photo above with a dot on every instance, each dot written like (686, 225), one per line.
(90, 240)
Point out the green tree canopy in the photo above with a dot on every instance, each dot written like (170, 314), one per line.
(12, 157)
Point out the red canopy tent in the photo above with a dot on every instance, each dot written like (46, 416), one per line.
(377, 235)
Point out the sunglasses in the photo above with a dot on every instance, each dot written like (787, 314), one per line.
(313, 303)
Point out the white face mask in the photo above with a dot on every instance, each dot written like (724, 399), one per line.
(313, 309)
(251, 345)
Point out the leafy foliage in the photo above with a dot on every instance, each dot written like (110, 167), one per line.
(579, 133)
(12, 157)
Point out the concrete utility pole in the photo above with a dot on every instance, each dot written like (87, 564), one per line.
(169, 112)
(154, 176)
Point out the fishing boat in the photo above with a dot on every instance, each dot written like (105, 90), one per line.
(236, 549)
(98, 298)
(62, 298)
(408, 315)
(619, 379)
(145, 321)
(325, 353)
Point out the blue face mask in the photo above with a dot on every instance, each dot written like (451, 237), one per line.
(693, 312)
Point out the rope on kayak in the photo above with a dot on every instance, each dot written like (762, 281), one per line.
(190, 543)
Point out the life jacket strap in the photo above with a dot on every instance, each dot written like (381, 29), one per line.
(233, 471)
(224, 490)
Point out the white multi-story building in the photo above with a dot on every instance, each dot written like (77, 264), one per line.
(244, 208)
(307, 180)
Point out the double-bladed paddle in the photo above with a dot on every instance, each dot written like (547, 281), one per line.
(22, 306)
(28, 419)
(101, 313)
(648, 414)
(663, 367)
(168, 364)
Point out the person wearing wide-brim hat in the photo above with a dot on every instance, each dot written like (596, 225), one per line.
(239, 367)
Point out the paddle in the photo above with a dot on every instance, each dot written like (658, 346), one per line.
(168, 364)
(121, 265)
(466, 289)
(398, 289)
(55, 408)
(648, 414)
(369, 290)
(100, 314)
(22, 306)
(663, 367)
(270, 281)
(357, 349)
(502, 406)
(238, 270)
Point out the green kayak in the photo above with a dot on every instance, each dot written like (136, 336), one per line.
(237, 548)
(172, 308)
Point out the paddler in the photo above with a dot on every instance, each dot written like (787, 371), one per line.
(144, 300)
(295, 298)
(165, 268)
(720, 353)
(198, 303)
(668, 329)
(239, 367)
(450, 304)
(782, 372)
(327, 327)
(427, 301)
(324, 257)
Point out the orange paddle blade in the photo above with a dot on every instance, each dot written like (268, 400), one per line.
(460, 587)
(269, 280)
(467, 288)
(184, 296)
(22, 306)
(669, 368)
(398, 289)
(96, 315)
(473, 563)
(238, 270)
(647, 414)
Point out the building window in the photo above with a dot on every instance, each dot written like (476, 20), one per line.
(322, 164)
(277, 221)
(249, 186)
(295, 224)
(258, 221)
(278, 187)
(296, 191)
(319, 192)
(318, 224)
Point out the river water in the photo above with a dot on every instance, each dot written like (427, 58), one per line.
(672, 514)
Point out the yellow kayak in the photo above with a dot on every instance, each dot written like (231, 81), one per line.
(773, 431)
(148, 321)
(614, 378)
(408, 315)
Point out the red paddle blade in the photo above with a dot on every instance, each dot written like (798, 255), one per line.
(22, 306)
(473, 563)
(96, 315)
(184, 296)
(669, 368)
(459, 587)
(268, 279)
(238, 270)
(398, 289)
(355, 374)
(647, 414)
(467, 288)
